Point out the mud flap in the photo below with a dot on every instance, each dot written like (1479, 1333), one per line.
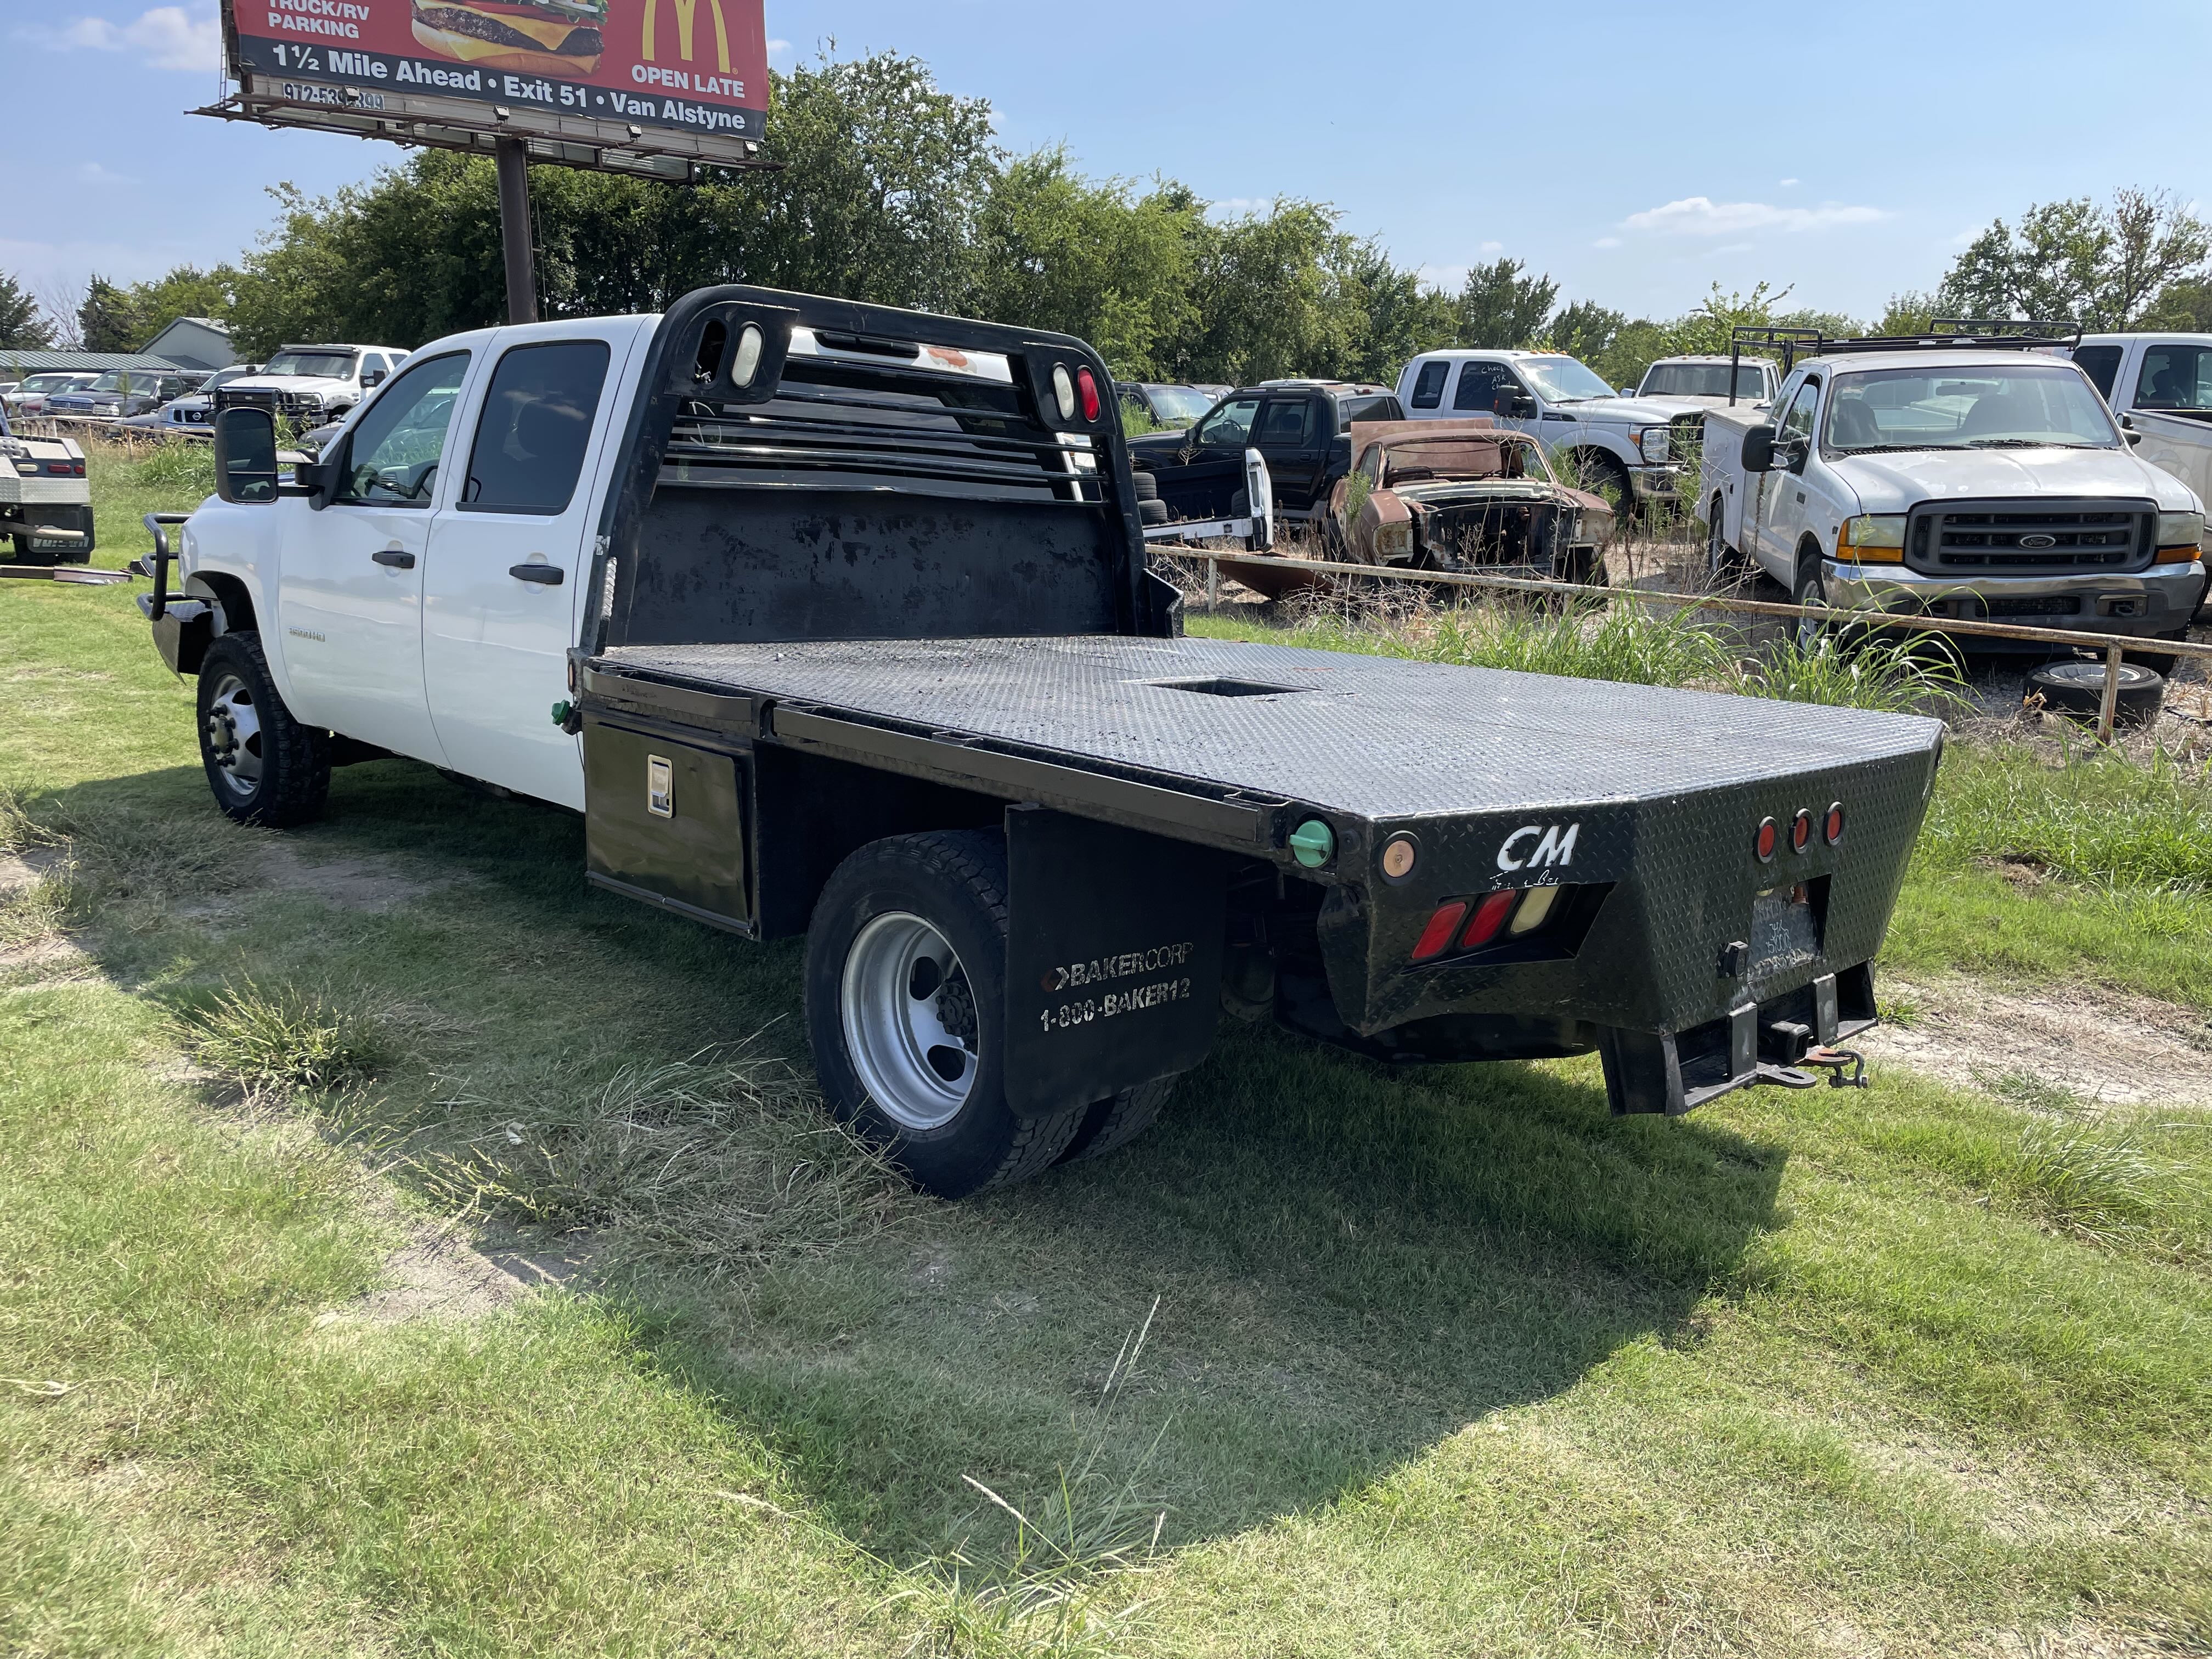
(1114, 953)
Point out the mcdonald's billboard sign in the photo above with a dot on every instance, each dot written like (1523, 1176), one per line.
(639, 73)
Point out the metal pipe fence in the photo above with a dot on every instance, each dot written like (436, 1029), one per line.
(2113, 645)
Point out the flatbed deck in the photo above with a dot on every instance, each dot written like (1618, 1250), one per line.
(1376, 737)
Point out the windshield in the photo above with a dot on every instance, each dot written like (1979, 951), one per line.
(1562, 379)
(1180, 405)
(114, 379)
(49, 382)
(1701, 381)
(2002, 406)
(312, 365)
(225, 376)
(2175, 377)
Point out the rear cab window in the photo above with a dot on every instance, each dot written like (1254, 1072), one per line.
(2101, 363)
(536, 429)
(1287, 423)
(1429, 384)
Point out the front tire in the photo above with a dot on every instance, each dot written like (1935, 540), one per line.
(1723, 565)
(906, 1002)
(1811, 588)
(264, 767)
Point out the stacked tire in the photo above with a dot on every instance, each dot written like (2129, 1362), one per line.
(1150, 509)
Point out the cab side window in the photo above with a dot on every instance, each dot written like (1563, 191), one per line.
(1429, 386)
(536, 427)
(1287, 424)
(1797, 424)
(392, 459)
(2101, 363)
(1478, 389)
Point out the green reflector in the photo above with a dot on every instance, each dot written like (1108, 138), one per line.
(1312, 843)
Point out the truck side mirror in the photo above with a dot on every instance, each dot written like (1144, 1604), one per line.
(372, 378)
(1759, 449)
(246, 455)
(1520, 407)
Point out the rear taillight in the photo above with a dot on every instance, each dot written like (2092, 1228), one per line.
(1086, 388)
(1536, 910)
(1768, 839)
(1488, 920)
(1835, 824)
(1436, 937)
(1801, 830)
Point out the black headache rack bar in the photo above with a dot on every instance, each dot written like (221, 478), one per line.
(767, 420)
(1944, 334)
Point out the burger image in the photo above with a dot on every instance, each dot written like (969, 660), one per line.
(545, 37)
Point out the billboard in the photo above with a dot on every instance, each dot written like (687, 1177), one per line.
(684, 75)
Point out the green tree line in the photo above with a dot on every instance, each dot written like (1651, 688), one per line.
(893, 190)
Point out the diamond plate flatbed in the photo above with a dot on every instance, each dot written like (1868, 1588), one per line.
(1378, 738)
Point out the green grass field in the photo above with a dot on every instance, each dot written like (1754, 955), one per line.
(1445, 1362)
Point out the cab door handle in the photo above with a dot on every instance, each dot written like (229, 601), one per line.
(394, 558)
(549, 574)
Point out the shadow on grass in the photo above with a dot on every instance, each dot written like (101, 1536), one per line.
(1352, 1262)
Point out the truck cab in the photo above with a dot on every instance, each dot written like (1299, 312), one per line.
(1638, 449)
(2160, 387)
(1705, 380)
(1982, 479)
(1301, 428)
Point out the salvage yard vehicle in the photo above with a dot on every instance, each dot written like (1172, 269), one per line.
(124, 391)
(1965, 473)
(190, 415)
(1303, 428)
(2161, 387)
(1150, 406)
(310, 385)
(1641, 449)
(30, 397)
(45, 499)
(1705, 379)
(1467, 495)
(835, 620)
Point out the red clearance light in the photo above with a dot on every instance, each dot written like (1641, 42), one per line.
(1801, 830)
(1436, 936)
(1768, 839)
(1087, 387)
(1489, 917)
(1835, 826)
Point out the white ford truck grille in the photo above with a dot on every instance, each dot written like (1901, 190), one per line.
(1969, 538)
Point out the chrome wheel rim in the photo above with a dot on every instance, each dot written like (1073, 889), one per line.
(1810, 632)
(910, 1021)
(233, 736)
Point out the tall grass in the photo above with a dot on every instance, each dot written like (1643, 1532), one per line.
(2095, 816)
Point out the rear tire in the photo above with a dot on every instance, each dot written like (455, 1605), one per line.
(264, 767)
(1154, 511)
(1723, 564)
(1145, 486)
(1116, 1121)
(906, 962)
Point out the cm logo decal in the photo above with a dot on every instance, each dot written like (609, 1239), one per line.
(686, 14)
(1539, 844)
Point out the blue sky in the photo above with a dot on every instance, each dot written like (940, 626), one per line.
(1637, 152)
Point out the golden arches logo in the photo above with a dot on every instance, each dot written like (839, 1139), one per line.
(687, 12)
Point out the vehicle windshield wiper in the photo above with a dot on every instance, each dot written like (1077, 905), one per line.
(2022, 443)
(1890, 449)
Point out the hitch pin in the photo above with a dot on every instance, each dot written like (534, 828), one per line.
(1846, 1068)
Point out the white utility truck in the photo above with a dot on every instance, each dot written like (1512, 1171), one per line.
(1970, 473)
(1642, 449)
(1711, 381)
(2161, 387)
(835, 621)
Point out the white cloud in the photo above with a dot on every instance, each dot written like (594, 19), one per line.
(1606, 241)
(1240, 206)
(1787, 184)
(188, 36)
(781, 53)
(91, 172)
(1491, 247)
(1700, 216)
(1734, 247)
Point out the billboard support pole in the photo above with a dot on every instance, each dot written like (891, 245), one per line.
(514, 230)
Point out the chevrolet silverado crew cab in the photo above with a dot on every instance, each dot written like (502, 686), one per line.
(311, 384)
(1954, 476)
(835, 621)
(1638, 448)
(1301, 428)
(2161, 387)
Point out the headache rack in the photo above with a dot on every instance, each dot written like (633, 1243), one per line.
(1943, 334)
(804, 468)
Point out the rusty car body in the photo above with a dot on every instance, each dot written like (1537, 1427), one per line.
(1465, 495)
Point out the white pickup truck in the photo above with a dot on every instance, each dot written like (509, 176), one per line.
(835, 621)
(1980, 480)
(310, 386)
(1704, 380)
(1642, 449)
(2161, 387)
